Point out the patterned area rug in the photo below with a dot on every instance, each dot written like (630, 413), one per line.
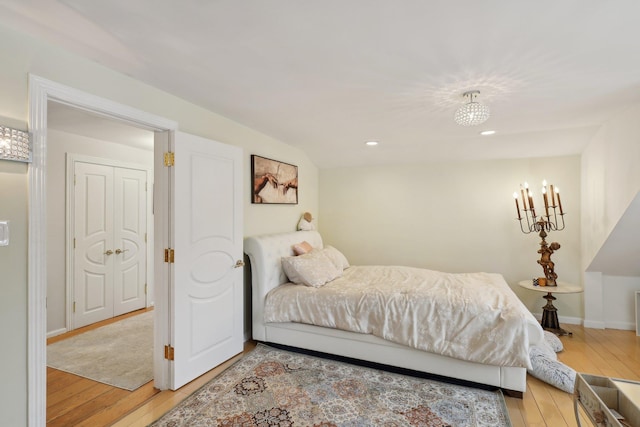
(272, 387)
(119, 354)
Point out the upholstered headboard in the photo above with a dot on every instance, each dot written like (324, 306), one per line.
(265, 254)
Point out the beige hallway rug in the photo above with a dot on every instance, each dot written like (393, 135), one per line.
(272, 387)
(119, 354)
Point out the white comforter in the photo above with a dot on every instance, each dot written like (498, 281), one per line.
(472, 316)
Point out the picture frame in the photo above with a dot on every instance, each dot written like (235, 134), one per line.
(273, 181)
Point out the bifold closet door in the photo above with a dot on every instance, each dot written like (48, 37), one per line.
(130, 253)
(109, 239)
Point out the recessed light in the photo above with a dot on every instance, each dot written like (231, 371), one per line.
(487, 132)
(371, 143)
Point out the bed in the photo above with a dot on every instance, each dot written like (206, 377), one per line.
(265, 254)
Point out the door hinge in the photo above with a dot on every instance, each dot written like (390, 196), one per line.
(74, 306)
(74, 243)
(145, 288)
(169, 159)
(168, 352)
(168, 255)
(145, 237)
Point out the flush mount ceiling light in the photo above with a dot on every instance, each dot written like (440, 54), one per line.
(472, 113)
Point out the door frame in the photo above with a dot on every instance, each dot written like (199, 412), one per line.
(40, 92)
(71, 159)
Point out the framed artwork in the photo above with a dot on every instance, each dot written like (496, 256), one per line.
(273, 181)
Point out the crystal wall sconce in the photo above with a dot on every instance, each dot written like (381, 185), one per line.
(14, 145)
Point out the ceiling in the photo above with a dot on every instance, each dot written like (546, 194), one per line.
(327, 76)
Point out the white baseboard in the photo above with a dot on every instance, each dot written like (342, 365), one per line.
(570, 320)
(56, 332)
(624, 326)
(593, 324)
(564, 319)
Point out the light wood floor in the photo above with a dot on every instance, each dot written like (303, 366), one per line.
(607, 352)
(78, 401)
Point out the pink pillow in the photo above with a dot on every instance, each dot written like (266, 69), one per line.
(302, 248)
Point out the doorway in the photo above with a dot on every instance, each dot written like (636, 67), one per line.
(90, 155)
(80, 138)
(98, 173)
(209, 271)
(41, 91)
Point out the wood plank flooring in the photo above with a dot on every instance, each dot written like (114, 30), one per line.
(602, 352)
(607, 352)
(76, 401)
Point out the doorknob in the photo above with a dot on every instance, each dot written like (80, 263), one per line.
(119, 251)
(239, 264)
(109, 252)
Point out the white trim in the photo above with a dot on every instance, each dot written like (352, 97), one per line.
(37, 273)
(622, 326)
(162, 368)
(40, 92)
(593, 324)
(71, 159)
(570, 320)
(563, 319)
(637, 307)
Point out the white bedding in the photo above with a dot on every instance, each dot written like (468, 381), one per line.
(472, 316)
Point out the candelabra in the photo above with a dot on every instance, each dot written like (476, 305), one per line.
(552, 220)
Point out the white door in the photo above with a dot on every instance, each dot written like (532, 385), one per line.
(93, 243)
(130, 253)
(109, 232)
(207, 275)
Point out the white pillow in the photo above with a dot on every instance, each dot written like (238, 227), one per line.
(312, 269)
(337, 257)
(546, 368)
(553, 341)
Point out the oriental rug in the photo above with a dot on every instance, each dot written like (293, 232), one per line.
(119, 354)
(273, 387)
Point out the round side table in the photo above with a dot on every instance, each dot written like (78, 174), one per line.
(549, 311)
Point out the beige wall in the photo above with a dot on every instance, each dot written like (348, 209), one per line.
(610, 179)
(36, 57)
(455, 217)
(610, 182)
(13, 294)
